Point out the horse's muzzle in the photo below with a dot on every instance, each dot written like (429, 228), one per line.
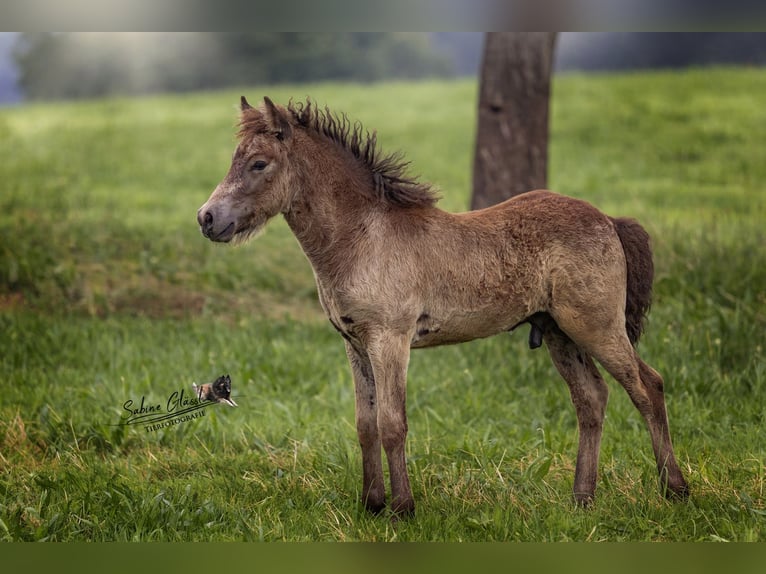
(207, 225)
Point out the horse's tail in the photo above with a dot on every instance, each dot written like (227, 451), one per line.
(638, 258)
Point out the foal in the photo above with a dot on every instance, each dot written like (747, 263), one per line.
(394, 272)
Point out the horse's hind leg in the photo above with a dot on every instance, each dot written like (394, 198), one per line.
(671, 478)
(373, 487)
(645, 388)
(589, 395)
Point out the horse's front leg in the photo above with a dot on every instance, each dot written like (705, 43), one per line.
(389, 355)
(373, 488)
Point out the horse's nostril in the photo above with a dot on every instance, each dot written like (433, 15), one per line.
(205, 221)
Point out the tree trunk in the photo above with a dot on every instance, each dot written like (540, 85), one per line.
(511, 154)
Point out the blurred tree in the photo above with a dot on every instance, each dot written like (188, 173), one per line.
(76, 65)
(511, 153)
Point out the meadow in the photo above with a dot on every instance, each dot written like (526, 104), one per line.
(109, 293)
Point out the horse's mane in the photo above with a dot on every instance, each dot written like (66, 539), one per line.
(390, 181)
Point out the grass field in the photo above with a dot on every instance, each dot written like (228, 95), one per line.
(108, 293)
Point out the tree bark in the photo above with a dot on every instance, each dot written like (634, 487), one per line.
(511, 154)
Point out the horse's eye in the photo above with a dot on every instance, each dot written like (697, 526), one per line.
(259, 165)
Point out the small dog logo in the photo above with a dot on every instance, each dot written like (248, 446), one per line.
(219, 391)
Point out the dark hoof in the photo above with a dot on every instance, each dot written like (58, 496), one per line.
(584, 499)
(677, 493)
(402, 510)
(374, 507)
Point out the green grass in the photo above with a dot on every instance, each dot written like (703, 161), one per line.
(109, 293)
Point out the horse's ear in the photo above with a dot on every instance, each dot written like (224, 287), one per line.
(278, 120)
(243, 105)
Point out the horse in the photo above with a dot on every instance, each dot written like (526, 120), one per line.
(394, 273)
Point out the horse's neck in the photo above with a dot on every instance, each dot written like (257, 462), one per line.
(327, 211)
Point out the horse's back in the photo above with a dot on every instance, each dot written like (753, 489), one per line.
(541, 223)
(545, 207)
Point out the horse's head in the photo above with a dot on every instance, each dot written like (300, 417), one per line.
(257, 186)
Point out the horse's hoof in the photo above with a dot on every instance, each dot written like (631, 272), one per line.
(402, 509)
(584, 499)
(373, 506)
(677, 493)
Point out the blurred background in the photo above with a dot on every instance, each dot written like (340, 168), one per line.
(35, 66)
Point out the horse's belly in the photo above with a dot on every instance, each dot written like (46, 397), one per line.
(431, 331)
